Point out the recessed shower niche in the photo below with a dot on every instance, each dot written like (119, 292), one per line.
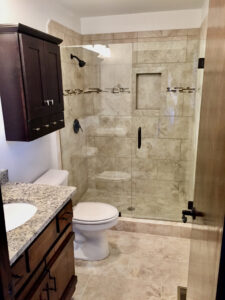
(148, 87)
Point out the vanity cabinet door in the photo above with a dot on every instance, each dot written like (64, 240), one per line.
(53, 77)
(62, 279)
(41, 290)
(33, 68)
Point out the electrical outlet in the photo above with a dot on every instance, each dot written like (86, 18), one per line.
(3, 176)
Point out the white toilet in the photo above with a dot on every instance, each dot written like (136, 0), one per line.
(90, 221)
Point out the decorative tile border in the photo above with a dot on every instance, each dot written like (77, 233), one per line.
(165, 228)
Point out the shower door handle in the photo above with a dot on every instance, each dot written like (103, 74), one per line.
(139, 137)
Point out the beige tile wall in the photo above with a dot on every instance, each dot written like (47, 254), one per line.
(161, 172)
(74, 146)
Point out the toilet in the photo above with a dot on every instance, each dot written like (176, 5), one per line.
(90, 221)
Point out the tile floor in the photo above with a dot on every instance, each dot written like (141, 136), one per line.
(140, 267)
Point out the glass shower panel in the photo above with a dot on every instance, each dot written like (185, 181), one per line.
(164, 83)
(109, 129)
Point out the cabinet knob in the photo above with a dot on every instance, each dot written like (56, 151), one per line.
(54, 123)
(51, 101)
(46, 125)
(37, 129)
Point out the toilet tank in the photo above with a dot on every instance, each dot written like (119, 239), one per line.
(53, 177)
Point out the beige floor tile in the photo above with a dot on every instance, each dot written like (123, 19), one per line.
(140, 266)
(119, 288)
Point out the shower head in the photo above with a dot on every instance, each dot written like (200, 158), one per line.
(81, 62)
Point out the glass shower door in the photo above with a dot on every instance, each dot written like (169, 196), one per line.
(164, 107)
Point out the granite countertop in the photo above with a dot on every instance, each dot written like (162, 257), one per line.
(49, 200)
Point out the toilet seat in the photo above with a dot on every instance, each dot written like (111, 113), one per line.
(94, 213)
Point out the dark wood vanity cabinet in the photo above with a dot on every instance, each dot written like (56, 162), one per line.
(46, 269)
(30, 83)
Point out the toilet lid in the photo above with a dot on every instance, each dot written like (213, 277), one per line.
(94, 211)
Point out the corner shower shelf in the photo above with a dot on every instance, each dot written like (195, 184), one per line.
(119, 131)
(114, 176)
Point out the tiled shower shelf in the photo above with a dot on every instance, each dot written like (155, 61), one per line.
(114, 176)
(91, 151)
(119, 131)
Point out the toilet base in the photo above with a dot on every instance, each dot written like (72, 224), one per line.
(91, 245)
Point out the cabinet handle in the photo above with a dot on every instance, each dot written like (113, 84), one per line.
(54, 280)
(17, 278)
(54, 123)
(46, 125)
(37, 129)
(66, 213)
(61, 120)
(46, 102)
(46, 290)
(51, 101)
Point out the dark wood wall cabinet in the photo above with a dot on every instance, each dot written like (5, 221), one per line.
(46, 269)
(30, 83)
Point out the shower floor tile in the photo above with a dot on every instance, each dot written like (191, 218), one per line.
(140, 266)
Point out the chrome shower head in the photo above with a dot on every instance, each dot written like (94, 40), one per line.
(80, 62)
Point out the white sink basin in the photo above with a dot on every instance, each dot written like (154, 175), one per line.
(16, 214)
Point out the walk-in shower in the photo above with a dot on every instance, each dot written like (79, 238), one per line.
(138, 110)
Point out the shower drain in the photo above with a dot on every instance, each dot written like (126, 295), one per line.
(130, 208)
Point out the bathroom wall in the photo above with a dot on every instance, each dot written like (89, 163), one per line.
(180, 19)
(156, 180)
(37, 14)
(77, 105)
(27, 161)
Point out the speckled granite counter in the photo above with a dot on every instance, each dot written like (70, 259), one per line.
(48, 199)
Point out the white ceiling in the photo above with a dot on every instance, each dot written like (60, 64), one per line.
(90, 8)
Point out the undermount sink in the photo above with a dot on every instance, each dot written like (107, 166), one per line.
(16, 214)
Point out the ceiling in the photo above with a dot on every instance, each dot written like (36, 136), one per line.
(90, 8)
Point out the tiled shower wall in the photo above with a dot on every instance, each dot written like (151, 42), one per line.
(104, 161)
(73, 146)
(162, 171)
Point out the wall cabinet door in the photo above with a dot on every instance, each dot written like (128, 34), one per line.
(30, 83)
(53, 77)
(32, 56)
